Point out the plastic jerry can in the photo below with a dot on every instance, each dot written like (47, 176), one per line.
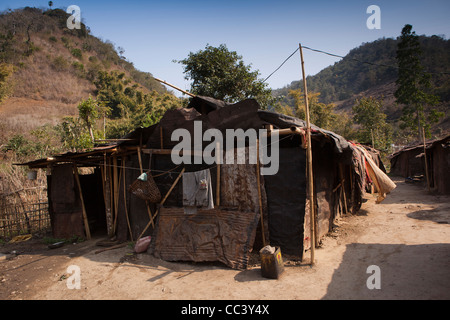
(272, 265)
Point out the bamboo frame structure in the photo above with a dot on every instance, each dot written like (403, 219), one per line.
(146, 202)
(425, 159)
(125, 198)
(258, 181)
(162, 201)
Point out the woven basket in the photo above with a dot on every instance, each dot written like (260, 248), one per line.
(146, 190)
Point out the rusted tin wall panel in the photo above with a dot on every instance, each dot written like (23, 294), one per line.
(209, 235)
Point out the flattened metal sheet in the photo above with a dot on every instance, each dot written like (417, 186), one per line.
(209, 235)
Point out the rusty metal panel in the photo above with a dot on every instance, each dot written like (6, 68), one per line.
(238, 185)
(208, 235)
(65, 226)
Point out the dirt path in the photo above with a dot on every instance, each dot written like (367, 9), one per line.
(407, 237)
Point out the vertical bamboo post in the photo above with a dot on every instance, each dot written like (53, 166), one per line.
(309, 161)
(86, 223)
(218, 162)
(146, 202)
(115, 190)
(106, 183)
(111, 193)
(341, 174)
(125, 197)
(258, 181)
(425, 157)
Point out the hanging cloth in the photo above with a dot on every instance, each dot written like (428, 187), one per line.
(197, 190)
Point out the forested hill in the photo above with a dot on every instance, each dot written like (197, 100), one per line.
(365, 70)
(46, 69)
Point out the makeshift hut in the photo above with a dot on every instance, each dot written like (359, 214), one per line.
(428, 163)
(209, 212)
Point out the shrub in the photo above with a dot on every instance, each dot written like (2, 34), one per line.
(77, 53)
(60, 63)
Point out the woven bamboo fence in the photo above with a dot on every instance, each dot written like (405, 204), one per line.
(23, 218)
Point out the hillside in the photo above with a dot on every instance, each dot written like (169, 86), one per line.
(53, 68)
(350, 78)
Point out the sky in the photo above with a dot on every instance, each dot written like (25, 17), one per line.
(154, 34)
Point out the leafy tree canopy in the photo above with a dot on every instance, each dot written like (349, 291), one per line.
(221, 74)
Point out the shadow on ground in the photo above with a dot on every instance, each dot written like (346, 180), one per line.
(406, 272)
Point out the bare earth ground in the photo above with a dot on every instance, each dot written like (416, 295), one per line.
(407, 237)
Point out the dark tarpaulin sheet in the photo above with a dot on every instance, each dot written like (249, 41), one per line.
(286, 196)
(208, 235)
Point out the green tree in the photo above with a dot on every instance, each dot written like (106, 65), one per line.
(221, 74)
(367, 112)
(5, 72)
(88, 111)
(413, 86)
(321, 114)
(73, 134)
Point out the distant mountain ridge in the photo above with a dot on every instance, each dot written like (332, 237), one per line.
(351, 78)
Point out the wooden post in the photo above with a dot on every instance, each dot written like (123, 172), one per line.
(309, 162)
(425, 157)
(86, 223)
(258, 181)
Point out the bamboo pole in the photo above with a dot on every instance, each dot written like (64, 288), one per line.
(258, 181)
(309, 162)
(146, 202)
(171, 85)
(106, 182)
(111, 193)
(341, 173)
(125, 198)
(163, 200)
(86, 223)
(115, 191)
(218, 161)
(111, 248)
(425, 157)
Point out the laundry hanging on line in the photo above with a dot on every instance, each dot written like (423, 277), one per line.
(197, 191)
